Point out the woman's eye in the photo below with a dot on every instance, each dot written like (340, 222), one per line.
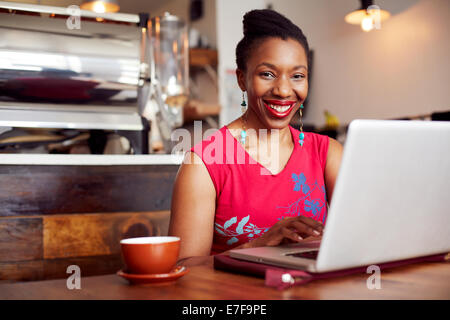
(267, 74)
(298, 76)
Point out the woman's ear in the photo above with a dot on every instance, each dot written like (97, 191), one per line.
(240, 76)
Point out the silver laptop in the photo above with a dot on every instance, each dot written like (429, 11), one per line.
(391, 200)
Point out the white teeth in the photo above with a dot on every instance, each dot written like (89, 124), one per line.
(279, 108)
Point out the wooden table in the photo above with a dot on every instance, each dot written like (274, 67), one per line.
(418, 281)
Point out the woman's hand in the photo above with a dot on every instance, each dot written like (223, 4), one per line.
(293, 229)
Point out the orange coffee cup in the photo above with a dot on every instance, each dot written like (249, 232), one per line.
(150, 255)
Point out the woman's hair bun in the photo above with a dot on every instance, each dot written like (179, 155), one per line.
(262, 22)
(266, 23)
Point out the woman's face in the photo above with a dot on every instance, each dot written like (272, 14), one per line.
(276, 81)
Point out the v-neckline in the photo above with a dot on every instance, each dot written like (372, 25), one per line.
(259, 164)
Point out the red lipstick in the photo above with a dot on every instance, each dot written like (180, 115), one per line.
(279, 103)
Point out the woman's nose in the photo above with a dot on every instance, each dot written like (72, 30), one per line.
(282, 88)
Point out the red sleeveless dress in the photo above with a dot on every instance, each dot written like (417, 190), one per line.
(249, 199)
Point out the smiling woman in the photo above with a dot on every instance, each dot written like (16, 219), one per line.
(258, 181)
(275, 80)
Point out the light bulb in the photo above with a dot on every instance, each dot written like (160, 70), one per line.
(367, 24)
(99, 7)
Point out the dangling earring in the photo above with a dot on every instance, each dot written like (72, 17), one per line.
(301, 135)
(243, 109)
(243, 104)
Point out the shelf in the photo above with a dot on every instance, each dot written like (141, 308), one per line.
(199, 57)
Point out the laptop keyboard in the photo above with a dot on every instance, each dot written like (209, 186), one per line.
(306, 255)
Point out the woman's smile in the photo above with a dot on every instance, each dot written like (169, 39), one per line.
(279, 108)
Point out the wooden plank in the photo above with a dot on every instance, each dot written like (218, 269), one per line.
(20, 239)
(44, 190)
(57, 268)
(21, 271)
(80, 235)
(89, 266)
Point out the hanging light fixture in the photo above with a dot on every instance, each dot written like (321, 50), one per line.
(369, 16)
(100, 6)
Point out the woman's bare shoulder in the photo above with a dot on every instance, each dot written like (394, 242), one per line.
(193, 173)
(335, 148)
(334, 157)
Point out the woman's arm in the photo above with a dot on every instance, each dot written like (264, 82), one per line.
(193, 208)
(334, 157)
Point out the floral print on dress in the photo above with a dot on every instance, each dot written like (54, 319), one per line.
(243, 228)
(300, 183)
(312, 202)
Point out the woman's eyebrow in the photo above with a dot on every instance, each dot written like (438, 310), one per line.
(269, 65)
(266, 64)
(300, 67)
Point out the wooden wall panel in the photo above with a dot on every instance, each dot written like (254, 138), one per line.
(22, 271)
(89, 266)
(57, 268)
(98, 234)
(20, 239)
(42, 190)
(37, 248)
(55, 216)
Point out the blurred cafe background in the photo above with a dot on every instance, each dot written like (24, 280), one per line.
(84, 82)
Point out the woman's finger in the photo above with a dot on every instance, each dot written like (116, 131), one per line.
(290, 234)
(316, 225)
(305, 229)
